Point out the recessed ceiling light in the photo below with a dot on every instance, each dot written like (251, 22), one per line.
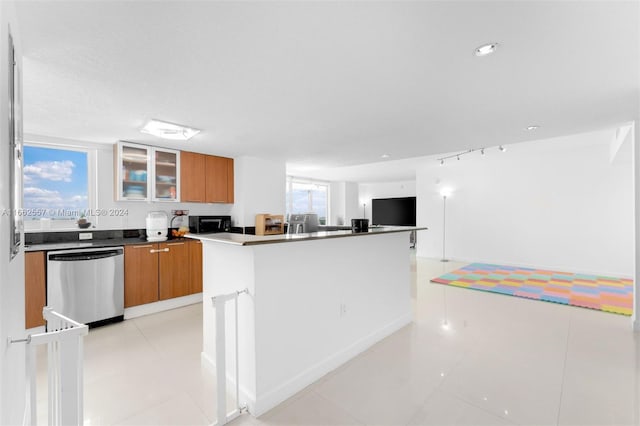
(534, 127)
(385, 156)
(166, 130)
(486, 49)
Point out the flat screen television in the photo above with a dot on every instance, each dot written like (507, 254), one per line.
(394, 211)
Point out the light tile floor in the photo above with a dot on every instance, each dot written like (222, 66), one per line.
(469, 358)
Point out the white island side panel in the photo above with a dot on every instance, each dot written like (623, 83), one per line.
(313, 305)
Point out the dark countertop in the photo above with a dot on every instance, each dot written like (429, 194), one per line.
(248, 240)
(112, 242)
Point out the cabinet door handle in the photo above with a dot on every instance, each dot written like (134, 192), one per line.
(146, 245)
(159, 251)
(175, 244)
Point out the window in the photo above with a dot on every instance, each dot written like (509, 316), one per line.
(308, 197)
(56, 186)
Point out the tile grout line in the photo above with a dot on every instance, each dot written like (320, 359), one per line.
(564, 370)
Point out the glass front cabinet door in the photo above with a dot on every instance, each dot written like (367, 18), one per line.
(146, 173)
(166, 171)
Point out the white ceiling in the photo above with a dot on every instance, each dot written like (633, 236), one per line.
(328, 84)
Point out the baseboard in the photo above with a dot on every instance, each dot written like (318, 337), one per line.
(272, 398)
(281, 393)
(286, 390)
(162, 305)
(534, 266)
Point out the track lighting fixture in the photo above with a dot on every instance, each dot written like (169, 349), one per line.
(457, 156)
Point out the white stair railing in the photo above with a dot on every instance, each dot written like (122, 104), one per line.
(219, 303)
(64, 340)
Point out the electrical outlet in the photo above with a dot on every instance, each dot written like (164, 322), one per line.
(85, 236)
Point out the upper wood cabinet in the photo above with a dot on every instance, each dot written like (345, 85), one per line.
(35, 292)
(206, 178)
(192, 176)
(146, 173)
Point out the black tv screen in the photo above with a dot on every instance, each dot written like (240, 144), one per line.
(394, 211)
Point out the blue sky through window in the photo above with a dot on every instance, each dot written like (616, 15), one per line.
(55, 183)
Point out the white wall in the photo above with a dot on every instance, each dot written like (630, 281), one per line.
(343, 204)
(557, 204)
(337, 203)
(369, 191)
(351, 202)
(12, 365)
(260, 187)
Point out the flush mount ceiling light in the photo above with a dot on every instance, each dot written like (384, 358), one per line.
(486, 49)
(533, 127)
(166, 130)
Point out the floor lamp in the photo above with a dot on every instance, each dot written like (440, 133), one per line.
(445, 194)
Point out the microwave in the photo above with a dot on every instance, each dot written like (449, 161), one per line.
(209, 224)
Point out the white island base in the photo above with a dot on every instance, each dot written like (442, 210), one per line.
(312, 305)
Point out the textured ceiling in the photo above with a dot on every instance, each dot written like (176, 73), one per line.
(328, 84)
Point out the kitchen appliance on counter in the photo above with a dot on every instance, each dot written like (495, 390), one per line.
(360, 225)
(209, 224)
(87, 285)
(157, 226)
(303, 223)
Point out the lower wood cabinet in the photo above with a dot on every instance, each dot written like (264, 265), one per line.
(195, 262)
(160, 271)
(35, 288)
(140, 274)
(152, 272)
(174, 270)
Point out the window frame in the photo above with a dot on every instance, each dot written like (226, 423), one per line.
(289, 200)
(67, 224)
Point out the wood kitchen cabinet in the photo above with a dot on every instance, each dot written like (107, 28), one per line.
(173, 270)
(35, 292)
(218, 179)
(192, 176)
(140, 274)
(206, 178)
(195, 266)
(146, 173)
(161, 271)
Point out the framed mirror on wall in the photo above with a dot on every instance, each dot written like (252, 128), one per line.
(15, 153)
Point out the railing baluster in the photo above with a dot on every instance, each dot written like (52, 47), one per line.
(219, 303)
(64, 370)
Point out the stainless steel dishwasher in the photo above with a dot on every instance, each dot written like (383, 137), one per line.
(87, 285)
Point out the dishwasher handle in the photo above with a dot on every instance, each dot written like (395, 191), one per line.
(91, 255)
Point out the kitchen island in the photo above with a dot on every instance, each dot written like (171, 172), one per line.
(313, 302)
